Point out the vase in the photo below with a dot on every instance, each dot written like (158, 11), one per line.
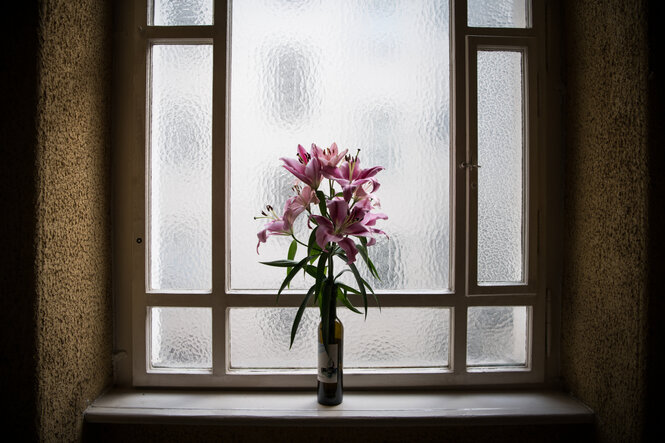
(330, 355)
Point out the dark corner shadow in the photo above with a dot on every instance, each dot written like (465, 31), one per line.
(18, 135)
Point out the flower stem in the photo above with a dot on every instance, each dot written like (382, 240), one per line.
(298, 241)
(330, 266)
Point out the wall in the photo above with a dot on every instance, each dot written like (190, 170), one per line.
(607, 201)
(60, 169)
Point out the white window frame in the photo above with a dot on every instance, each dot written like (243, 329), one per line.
(540, 293)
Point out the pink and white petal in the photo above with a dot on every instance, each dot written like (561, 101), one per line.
(349, 248)
(370, 172)
(324, 235)
(303, 154)
(358, 229)
(338, 210)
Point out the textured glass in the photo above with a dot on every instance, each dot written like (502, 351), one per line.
(181, 338)
(496, 336)
(181, 12)
(392, 338)
(498, 13)
(500, 177)
(180, 168)
(364, 74)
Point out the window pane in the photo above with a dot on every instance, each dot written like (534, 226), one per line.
(181, 12)
(392, 338)
(496, 336)
(500, 178)
(368, 75)
(498, 13)
(180, 173)
(181, 338)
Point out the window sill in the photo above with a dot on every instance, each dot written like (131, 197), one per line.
(359, 408)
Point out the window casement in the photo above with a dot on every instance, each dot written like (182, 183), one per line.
(450, 96)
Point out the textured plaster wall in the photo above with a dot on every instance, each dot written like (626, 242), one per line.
(606, 211)
(72, 213)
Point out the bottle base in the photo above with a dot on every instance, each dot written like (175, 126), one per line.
(330, 401)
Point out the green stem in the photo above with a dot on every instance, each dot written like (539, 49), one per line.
(330, 266)
(294, 237)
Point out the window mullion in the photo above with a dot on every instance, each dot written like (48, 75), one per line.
(460, 202)
(219, 186)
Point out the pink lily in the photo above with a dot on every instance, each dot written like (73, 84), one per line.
(350, 176)
(329, 158)
(306, 196)
(306, 168)
(343, 221)
(278, 225)
(365, 194)
(370, 221)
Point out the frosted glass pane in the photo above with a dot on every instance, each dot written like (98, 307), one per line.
(500, 178)
(180, 168)
(392, 338)
(496, 336)
(369, 75)
(181, 12)
(498, 13)
(181, 338)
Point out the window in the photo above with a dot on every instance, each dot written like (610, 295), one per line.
(446, 95)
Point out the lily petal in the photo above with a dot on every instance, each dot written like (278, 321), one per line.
(349, 248)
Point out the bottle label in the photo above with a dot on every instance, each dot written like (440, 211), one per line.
(328, 364)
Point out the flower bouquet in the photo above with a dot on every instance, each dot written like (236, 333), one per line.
(344, 227)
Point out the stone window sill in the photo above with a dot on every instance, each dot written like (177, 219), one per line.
(358, 408)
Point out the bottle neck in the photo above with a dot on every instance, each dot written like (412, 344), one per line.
(332, 310)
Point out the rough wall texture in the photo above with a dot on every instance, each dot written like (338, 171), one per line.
(607, 201)
(72, 271)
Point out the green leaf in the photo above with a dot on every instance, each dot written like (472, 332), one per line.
(342, 272)
(322, 203)
(280, 263)
(362, 249)
(320, 273)
(292, 250)
(311, 270)
(361, 285)
(292, 274)
(376, 299)
(341, 296)
(348, 288)
(292, 253)
(301, 310)
(311, 244)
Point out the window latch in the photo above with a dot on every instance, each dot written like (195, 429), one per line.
(468, 165)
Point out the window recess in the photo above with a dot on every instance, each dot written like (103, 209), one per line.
(442, 94)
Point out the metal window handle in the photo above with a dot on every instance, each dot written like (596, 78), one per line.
(468, 165)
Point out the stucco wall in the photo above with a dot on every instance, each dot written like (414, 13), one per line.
(606, 211)
(72, 213)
